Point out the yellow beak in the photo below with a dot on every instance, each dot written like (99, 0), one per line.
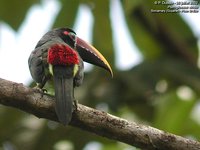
(91, 55)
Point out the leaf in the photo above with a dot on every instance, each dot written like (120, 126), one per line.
(148, 45)
(172, 113)
(178, 72)
(157, 34)
(191, 128)
(102, 34)
(67, 15)
(13, 12)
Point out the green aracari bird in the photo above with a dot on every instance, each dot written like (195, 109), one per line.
(59, 55)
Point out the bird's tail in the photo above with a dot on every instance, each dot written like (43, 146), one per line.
(64, 95)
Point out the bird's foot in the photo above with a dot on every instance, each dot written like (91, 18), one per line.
(38, 88)
(75, 104)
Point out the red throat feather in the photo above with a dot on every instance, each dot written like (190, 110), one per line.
(62, 55)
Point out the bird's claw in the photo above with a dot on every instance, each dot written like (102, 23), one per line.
(44, 90)
(38, 88)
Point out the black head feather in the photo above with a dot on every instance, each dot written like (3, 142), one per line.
(66, 34)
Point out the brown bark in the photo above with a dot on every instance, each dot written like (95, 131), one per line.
(95, 121)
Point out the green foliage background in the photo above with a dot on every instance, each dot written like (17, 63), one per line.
(147, 93)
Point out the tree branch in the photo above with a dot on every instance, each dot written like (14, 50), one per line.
(95, 121)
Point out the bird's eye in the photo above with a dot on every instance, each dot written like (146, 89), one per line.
(69, 38)
(65, 32)
(72, 36)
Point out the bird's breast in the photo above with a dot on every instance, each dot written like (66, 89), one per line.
(60, 54)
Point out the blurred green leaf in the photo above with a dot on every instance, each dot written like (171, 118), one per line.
(145, 41)
(157, 34)
(14, 12)
(191, 128)
(172, 112)
(180, 72)
(102, 30)
(67, 15)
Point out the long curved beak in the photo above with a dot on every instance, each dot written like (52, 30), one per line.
(91, 55)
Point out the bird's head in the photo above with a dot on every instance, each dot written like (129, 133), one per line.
(76, 45)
